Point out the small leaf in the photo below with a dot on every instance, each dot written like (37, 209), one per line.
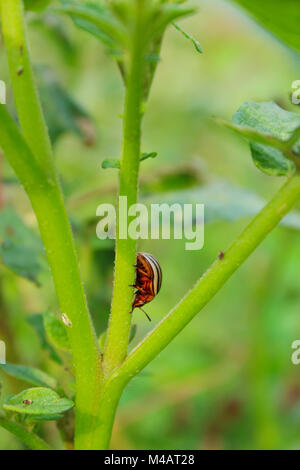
(20, 248)
(95, 18)
(144, 156)
(111, 163)
(29, 374)
(56, 331)
(274, 136)
(270, 160)
(269, 119)
(188, 36)
(38, 402)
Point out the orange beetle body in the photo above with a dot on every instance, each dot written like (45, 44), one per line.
(148, 280)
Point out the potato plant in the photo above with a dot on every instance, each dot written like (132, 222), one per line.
(132, 31)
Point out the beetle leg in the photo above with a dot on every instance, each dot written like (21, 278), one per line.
(140, 289)
(145, 313)
(141, 270)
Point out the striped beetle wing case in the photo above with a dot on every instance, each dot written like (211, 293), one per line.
(148, 280)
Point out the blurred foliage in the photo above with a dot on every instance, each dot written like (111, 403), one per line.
(63, 114)
(283, 22)
(29, 374)
(227, 381)
(36, 4)
(20, 248)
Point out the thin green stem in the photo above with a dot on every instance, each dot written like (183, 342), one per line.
(47, 201)
(25, 92)
(31, 440)
(120, 317)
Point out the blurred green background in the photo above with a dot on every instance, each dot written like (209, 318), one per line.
(227, 381)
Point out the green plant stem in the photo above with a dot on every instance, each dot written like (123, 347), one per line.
(205, 289)
(25, 92)
(31, 158)
(120, 317)
(212, 281)
(31, 440)
(46, 198)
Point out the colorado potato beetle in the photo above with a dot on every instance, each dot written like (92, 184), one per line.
(147, 281)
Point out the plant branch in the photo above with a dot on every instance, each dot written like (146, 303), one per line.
(205, 289)
(48, 205)
(120, 318)
(31, 440)
(25, 92)
(31, 159)
(211, 282)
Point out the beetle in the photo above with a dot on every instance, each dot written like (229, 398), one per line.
(147, 281)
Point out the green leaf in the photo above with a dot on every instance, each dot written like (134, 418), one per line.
(63, 114)
(144, 156)
(273, 134)
(96, 18)
(280, 18)
(269, 119)
(56, 331)
(270, 160)
(29, 374)
(37, 322)
(20, 248)
(111, 163)
(189, 37)
(38, 401)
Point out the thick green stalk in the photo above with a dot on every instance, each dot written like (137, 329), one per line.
(205, 289)
(120, 317)
(25, 92)
(31, 440)
(212, 281)
(46, 198)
